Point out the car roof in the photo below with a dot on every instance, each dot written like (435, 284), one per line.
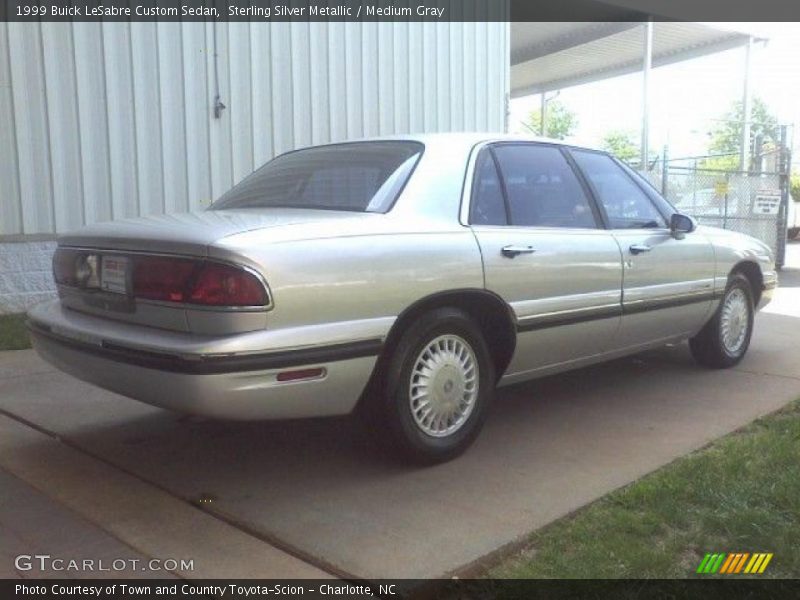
(462, 139)
(473, 137)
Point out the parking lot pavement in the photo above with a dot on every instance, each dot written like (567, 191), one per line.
(316, 490)
(76, 506)
(33, 524)
(22, 364)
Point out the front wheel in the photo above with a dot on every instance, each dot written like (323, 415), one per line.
(724, 340)
(436, 389)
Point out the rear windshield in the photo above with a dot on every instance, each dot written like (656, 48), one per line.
(358, 176)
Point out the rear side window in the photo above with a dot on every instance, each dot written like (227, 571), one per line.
(360, 176)
(626, 205)
(541, 188)
(488, 204)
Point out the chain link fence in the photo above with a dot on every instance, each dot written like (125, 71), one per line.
(750, 202)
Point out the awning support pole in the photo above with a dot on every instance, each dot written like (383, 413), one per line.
(647, 64)
(747, 108)
(543, 116)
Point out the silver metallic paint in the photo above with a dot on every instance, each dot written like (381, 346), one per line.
(345, 277)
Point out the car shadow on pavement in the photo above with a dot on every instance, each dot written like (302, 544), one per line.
(549, 446)
(173, 447)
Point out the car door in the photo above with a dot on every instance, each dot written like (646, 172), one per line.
(545, 254)
(668, 281)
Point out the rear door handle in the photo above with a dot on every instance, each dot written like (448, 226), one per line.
(514, 250)
(639, 248)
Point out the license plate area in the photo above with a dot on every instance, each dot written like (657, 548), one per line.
(114, 274)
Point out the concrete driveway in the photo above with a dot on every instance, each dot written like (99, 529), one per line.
(307, 498)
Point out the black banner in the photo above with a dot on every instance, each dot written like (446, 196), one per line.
(397, 10)
(256, 10)
(651, 589)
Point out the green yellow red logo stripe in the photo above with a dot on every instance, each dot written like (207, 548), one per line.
(734, 563)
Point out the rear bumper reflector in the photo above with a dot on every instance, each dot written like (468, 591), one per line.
(301, 375)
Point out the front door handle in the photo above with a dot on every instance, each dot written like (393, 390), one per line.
(514, 250)
(640, 248)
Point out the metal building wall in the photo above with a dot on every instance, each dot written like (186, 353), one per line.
(112, 120)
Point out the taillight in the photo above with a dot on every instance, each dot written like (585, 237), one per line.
(167, 279)
(224, 285)
(196, 282)
(75, 268)
(65, 266)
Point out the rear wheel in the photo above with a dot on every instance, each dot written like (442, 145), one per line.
(431, 402)
(724, 340)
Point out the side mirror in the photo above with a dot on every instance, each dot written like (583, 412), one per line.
(681, 224)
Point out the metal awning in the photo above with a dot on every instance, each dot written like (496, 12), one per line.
(552, 56)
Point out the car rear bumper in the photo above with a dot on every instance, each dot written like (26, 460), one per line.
(221, 385)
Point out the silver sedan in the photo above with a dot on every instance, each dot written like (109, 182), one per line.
(401, 279)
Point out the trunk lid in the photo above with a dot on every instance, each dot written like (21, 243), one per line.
(189, 233)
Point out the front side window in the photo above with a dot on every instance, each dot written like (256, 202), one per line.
(664, 206)
(626, 205)
(541, 188)
(360, 176)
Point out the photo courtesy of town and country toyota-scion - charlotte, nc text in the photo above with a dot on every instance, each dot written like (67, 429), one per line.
(267, 12)
(189, 590)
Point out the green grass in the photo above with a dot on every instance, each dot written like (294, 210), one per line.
(739, 494)
(13, 335)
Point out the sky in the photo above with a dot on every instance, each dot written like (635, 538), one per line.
(686, 97)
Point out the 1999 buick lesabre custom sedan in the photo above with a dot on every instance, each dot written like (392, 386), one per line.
(403, 278)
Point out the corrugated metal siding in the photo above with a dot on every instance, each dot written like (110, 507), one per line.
(105, 121)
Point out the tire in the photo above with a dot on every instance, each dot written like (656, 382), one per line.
(793, 233)
(450, 342)
(724, 340)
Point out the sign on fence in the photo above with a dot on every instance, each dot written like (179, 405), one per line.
(767, 202)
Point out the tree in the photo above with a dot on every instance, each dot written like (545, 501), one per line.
(726, 136)
(621, 144)
(560, 121)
